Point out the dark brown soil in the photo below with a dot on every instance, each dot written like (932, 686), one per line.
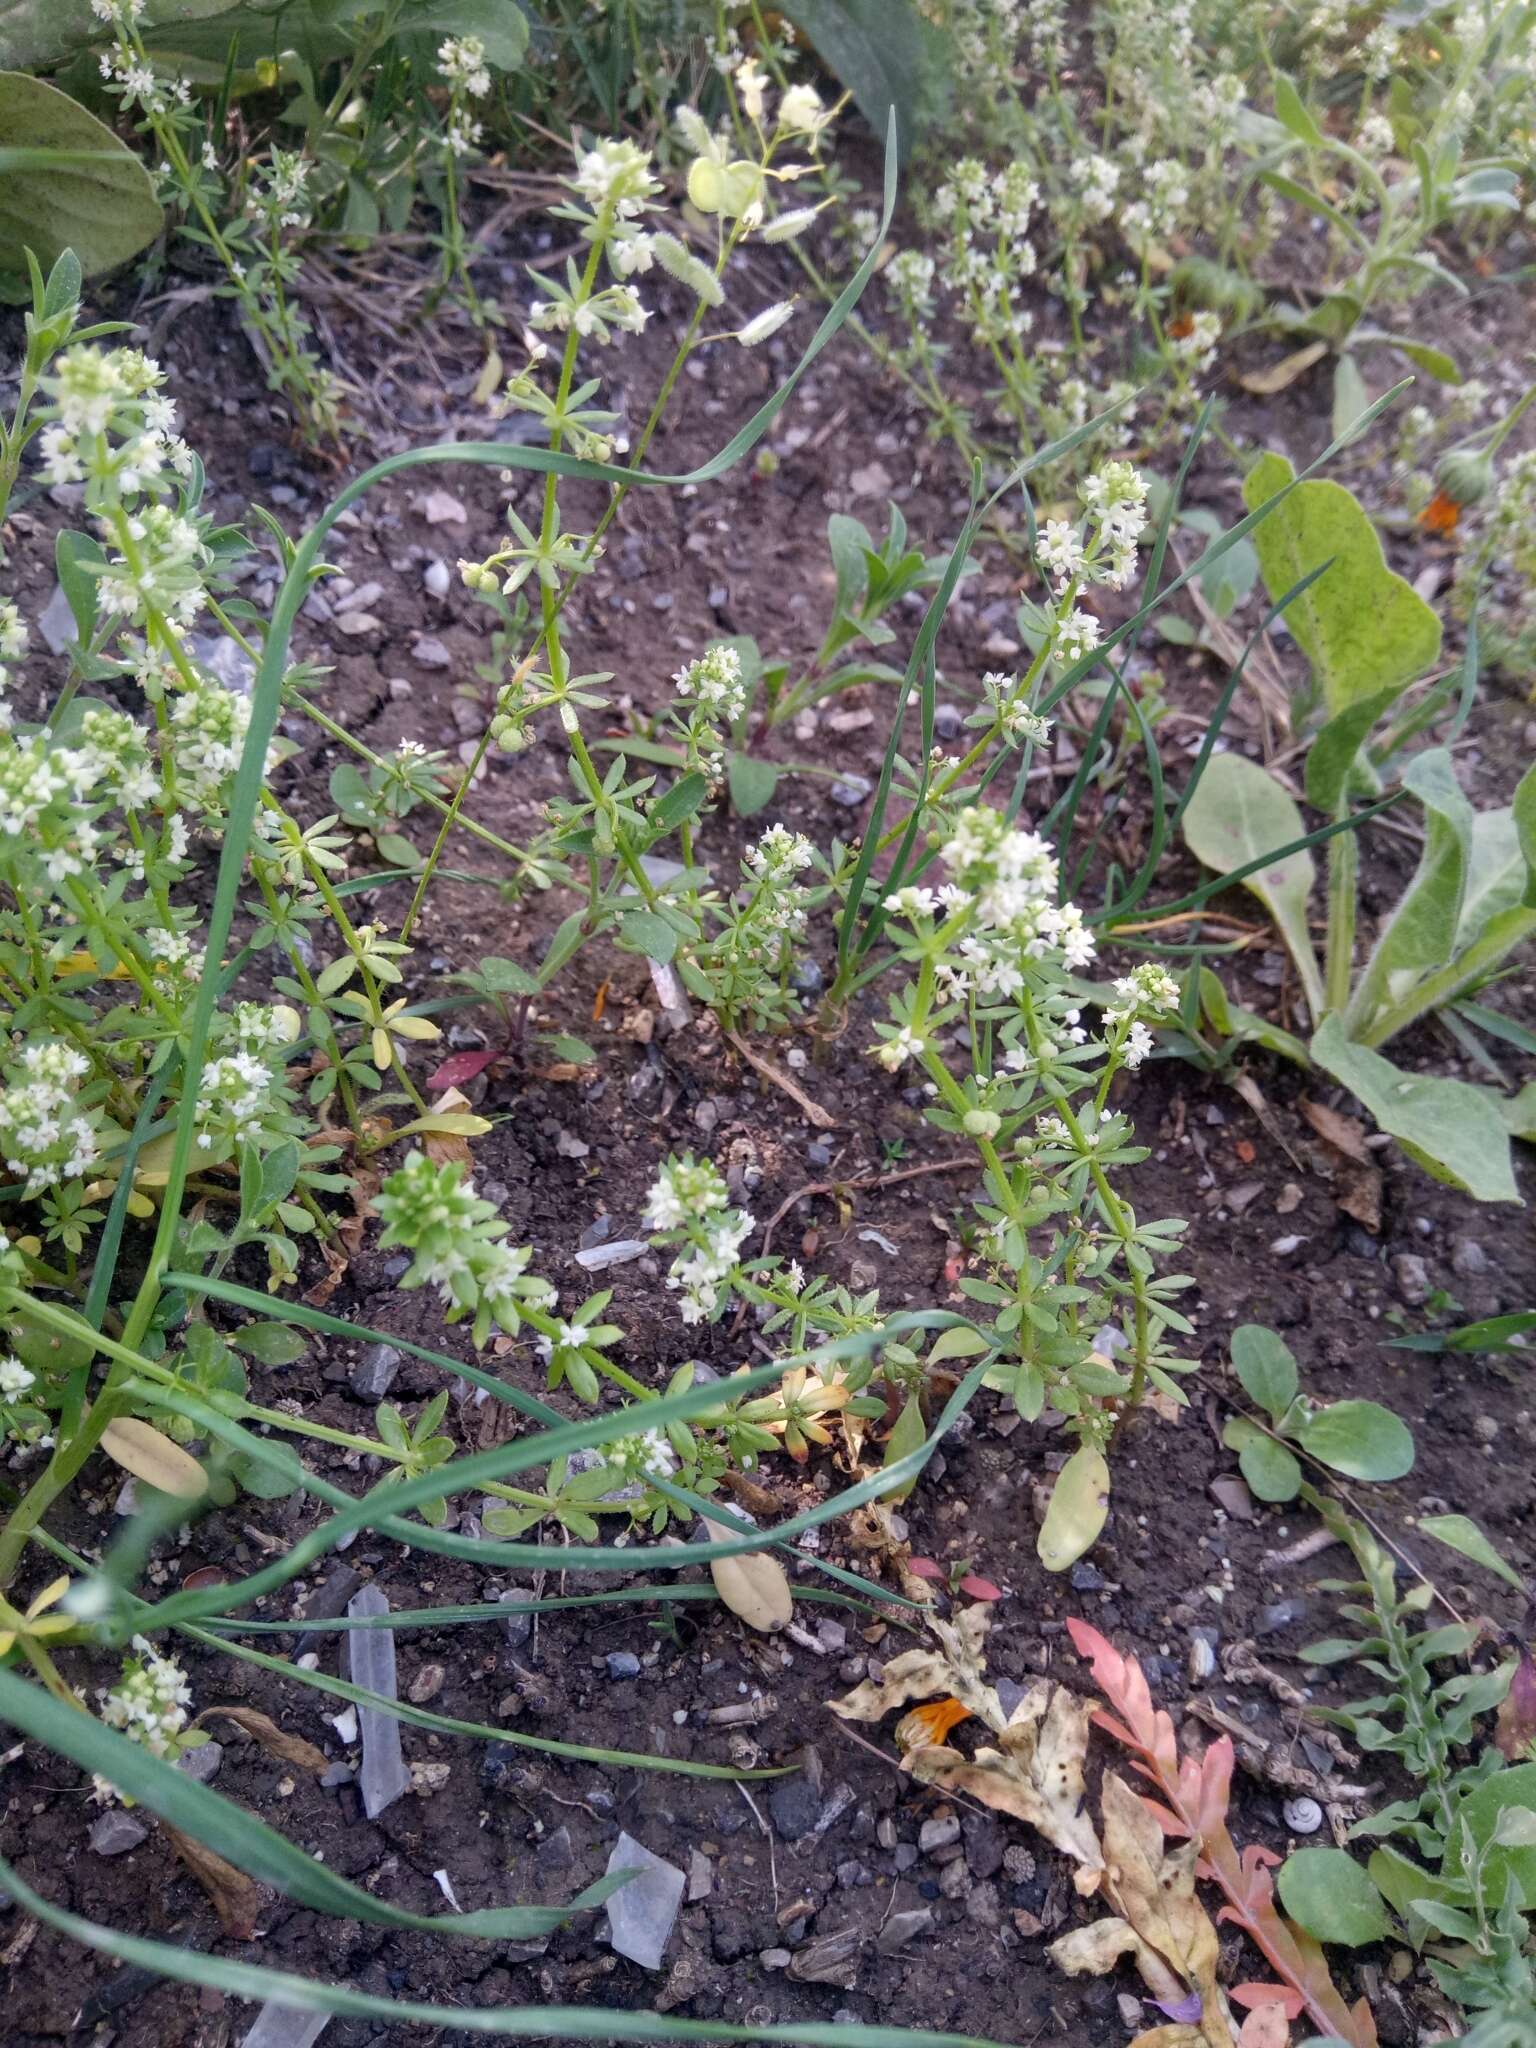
(748, 555)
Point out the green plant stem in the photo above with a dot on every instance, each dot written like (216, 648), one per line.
(1343, 883)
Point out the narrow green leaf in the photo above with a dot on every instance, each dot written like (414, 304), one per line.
(1460, 1533)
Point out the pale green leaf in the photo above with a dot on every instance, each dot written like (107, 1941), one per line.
(1329, 1894)
(1239, 813)
(1362, 627)
(1361, 1439)
(66, 182)
(1456, 1132)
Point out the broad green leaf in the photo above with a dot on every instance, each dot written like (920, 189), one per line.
(34, 37)
(643, 931)
(1402, 1882)
(1518, 1112)
(1361, 1439)
(1462, 1534)
(751, 782)
(1421, 932)
(1262, 1361)
(682, 801)
(1512, 1788)
(502, 29)
(1455, 1131)
(1524, 808)
(957, 1343)
(1362, 627)
(507, 977)
(1332, 755)
(1271, 1471)
(72, 553)
(1239, 813)
(886, 54)
(66, 182)
(905, 1437)
(1496, 874)
(1078, 1509)
(270, 1343)
(1329, 1894)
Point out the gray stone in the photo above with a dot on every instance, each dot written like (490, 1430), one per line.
(948, 721)
(641, 1913)
(336, 1775)
(554, 1855)
(623, 1664)
(795, 1808)
(373, 1374)
(938, 1834)
(1468, 1258)
(203, 1762)
(701, 1876)
(850, 792)
(115, 1833)
(1280, 1614)
(230, 664)
(436, 578)
(1412, 1277)
(429, 652)
(901, 1928)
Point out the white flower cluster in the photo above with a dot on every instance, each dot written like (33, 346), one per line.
(1194, 342)
(149, 1703)
(1011, 710)
(279, 189)
(207, 733)
(715, 682)
(1010, 878)
(13, 647)
(43, 1135)
(111, 427)
(15, 1379)
(1096, 180)
(645, 1455)
(1153, 216)
(690, 1198)
(461, 62)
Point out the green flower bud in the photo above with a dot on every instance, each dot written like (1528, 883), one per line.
(982, 1123)
(1465, 475)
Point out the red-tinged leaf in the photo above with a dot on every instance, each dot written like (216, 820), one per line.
(1215, 1787)
(1170, 1823)
(460, 1067)
(1251, 1996)
(925, 1568)
(1267, 2026)
(980, 1589)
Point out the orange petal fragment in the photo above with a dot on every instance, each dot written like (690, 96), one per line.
(1441, 515)
(927, 1725)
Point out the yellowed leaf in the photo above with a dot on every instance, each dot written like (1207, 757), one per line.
(1035, 1773)
(1094, 1951)
(1265, 383)
(443, 1143)
(954, 1670)
(753, 1585)
(1174, 2035)
(1078, 1510)
(149, 1456)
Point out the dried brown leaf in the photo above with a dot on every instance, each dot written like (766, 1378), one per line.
(447, 1148)
(1174, 2035)
(235, 1898)
(955, 1669)
(1345, 1134)
(288, 1749)
(1035, 1773)
(1265, 383)
(1154, 1888)
(1357, 1192)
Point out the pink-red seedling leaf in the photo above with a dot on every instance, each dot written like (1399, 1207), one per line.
(925, 1568)
(460, 1067)
(1252, 1996)
(980, 1589)
(1194, 1803)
